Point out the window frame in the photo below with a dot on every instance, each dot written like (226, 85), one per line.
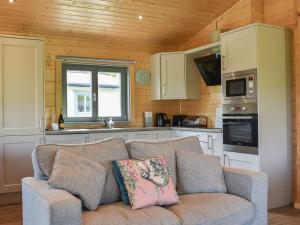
(125, 96)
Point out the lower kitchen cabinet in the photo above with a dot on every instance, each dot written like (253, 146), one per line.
(177, 133)
(206, 150)
(163, 134)
(141, 135)
(241, 160)
(15, 160)
(211, 143)
(67, 139)
(93, 137)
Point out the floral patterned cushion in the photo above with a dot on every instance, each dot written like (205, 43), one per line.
(148, 182)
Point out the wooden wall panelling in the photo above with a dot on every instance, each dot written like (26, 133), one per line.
(257, 11)
(280, 12)
(296, 110)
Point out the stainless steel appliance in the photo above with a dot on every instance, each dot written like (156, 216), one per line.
(189, 121)
(240, 86)
(240, 127)
(162, 120)
(177, 120)
(240, 133)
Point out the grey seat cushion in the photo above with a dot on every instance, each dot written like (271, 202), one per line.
(199, 173)
(167, 148)
(80, 177)
(102, 152)
(120, 214)
(213, 209)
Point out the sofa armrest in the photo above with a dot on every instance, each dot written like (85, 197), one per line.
(252, 186)
(48, 206)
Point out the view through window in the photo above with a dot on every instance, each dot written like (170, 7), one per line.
(93, 93)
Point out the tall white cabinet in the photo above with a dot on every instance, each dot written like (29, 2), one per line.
(267, 49)
(21, 107)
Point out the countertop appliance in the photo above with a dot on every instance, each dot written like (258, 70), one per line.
(209, 67)
(162, 120)
(240, 86)
(177, 120)
(190, 121)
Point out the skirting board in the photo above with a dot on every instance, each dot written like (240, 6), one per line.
(10, 198)
(297, 205)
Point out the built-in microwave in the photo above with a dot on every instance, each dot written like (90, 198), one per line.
(240, 86)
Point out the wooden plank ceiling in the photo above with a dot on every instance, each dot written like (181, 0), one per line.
(165, 22)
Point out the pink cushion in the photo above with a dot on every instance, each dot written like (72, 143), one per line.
(148, 182)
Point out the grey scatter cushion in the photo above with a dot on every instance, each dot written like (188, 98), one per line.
(80, 177)
(167, 148)
(102, 152)
(199, 173)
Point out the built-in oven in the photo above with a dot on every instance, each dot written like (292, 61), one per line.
(240, 133)
(239, 86)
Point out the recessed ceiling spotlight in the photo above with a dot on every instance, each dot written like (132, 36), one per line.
(11, 1)
(140, 17)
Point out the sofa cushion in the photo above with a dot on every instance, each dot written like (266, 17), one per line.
(102, 152)
(120, 182)
(80, 177)
(167, 148)
(213, 209)
(148, 182)
(198, 173)
(120, 214)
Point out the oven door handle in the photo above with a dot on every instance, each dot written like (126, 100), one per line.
(238, 117)
(235, 123)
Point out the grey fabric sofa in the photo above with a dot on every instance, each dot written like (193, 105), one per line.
(245, 203)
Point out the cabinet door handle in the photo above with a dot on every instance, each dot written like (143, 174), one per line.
(42, 124)
(226, 160)
(210, 142)
(223, 62)
(164, 89)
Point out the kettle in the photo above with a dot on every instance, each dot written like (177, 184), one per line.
(162, 120)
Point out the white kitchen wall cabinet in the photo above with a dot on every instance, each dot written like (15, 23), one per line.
(21, 86)
(239, 50)
(67, 139)
(174, 76)
(15, 160)
(241, 160)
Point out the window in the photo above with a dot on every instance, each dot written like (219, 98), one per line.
(91, 93)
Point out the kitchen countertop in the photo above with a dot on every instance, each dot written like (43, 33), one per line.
(130, 129)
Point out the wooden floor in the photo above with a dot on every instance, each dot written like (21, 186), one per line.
(12, 215)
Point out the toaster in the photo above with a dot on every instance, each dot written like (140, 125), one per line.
(190, 121)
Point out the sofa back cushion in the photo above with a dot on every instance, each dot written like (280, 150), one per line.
(81, 177)
(166, 148)
(199, 173)
(102, 152)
